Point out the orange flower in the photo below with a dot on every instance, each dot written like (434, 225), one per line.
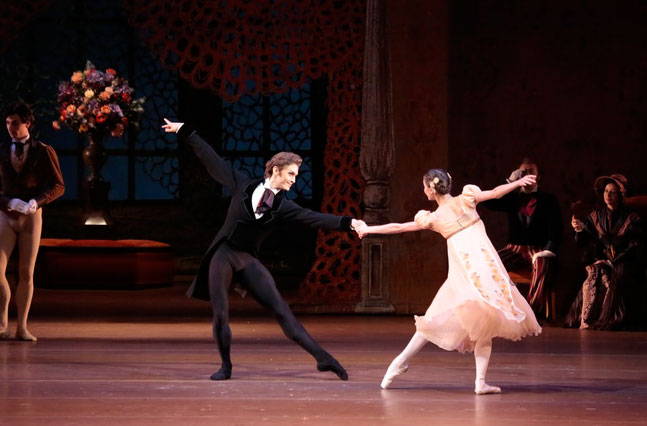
(111, 71)
(83, 128)
(105, 109)
(104, 95)
(101, 118)
(77, 77)
(70, 109)
(56, 125)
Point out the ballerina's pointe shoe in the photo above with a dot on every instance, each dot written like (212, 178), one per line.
(391, 374)
(482, 388)
(4, 334)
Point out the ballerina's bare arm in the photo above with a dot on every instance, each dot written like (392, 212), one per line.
(392, 228)
(501, 190)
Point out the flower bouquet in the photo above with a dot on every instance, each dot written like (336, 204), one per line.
(98, 103)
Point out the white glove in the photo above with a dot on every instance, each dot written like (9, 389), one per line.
(171, 127)
(543, 253)
(18, 205)
(514, 176)
(32, 206)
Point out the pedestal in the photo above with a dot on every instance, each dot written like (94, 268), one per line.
(375, 288)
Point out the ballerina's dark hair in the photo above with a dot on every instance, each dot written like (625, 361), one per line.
(444, 183)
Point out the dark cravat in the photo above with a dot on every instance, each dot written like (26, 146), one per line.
(20, 148)
(266, 201)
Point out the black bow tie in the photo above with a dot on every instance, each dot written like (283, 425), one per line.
(20, 148)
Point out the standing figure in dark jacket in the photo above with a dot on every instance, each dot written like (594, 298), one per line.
(613, 236)
(257, 207)
(534, 233)
(30, 177)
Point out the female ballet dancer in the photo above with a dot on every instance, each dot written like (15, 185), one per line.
(477, 301)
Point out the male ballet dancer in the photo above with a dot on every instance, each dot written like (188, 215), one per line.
(257, 207)
(30, 177)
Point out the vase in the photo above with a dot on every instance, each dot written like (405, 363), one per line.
(95, 188)
(95, 157)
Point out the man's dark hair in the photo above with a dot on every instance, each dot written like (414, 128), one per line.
(281, 160)
(21, 109)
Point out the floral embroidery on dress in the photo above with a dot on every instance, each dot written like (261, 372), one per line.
(499, 294)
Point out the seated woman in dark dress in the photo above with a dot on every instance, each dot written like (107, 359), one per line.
(612, 237)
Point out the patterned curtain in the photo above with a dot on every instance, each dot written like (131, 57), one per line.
(239, 47)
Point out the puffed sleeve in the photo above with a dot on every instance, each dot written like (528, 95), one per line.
(469, 195)
(424, 219)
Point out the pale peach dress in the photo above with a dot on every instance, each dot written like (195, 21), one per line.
(477, 300)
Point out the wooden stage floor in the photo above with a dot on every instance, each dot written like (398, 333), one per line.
(154, 370)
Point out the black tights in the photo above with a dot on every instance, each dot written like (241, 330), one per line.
(256, 279)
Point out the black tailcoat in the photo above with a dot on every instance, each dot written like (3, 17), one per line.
(241, 229)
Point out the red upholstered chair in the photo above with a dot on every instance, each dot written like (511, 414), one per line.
(112, 264)
(522, 278)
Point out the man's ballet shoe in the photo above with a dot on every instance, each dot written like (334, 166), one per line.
(25, 336)
(482, 388)
(329, 363)
(391, 374)
(222, 374)
(4, 334)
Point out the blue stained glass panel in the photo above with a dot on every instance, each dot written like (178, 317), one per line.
(116, 172)
(69, 168)
(58, 43)
(303, 185)
(242, 124)
(290, 127)
(252, 166)
(154, 185)
(279, 122)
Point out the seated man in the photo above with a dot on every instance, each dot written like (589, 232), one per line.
(534, 233)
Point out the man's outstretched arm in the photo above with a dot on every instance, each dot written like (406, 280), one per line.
(219, 169)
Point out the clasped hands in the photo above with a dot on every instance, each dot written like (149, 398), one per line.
(359, 226)
(26, 208)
